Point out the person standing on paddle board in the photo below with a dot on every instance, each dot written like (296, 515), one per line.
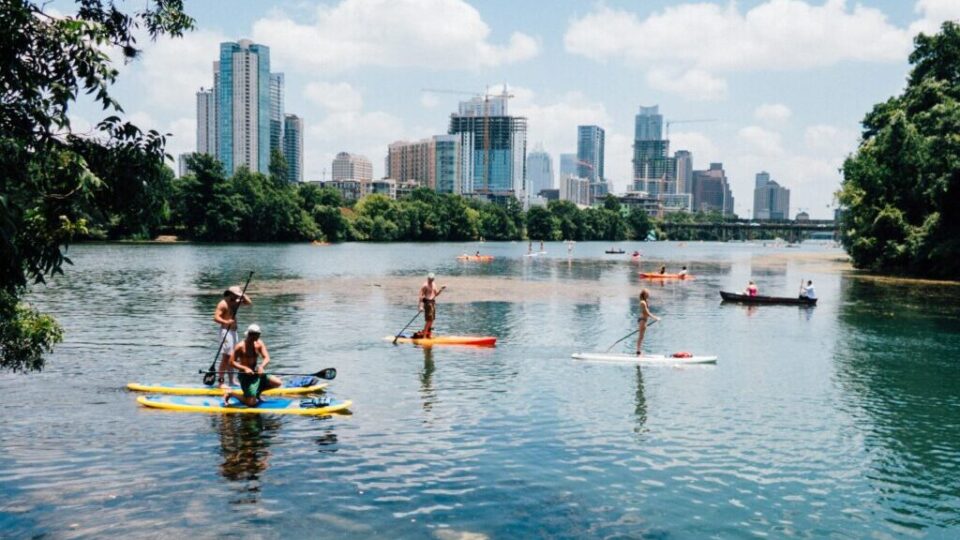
(253, 380)
(225, 315)
(645, 315)
(427, 303)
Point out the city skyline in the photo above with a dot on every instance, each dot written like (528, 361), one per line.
(791, 106)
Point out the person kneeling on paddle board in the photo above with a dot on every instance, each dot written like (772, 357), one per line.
(253, 380)
(645, 315)
(427, 303)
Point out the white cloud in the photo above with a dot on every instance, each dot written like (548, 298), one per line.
(772, 113)
(429, 100)
(694, 84)
(776, 35)
(170, 71)
(826, 139)
(435, 34)
(759, 140)
(933, 14)
(702, 147)
(334, 96)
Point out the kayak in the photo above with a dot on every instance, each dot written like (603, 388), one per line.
(645, 359)
(478, 258)
(477, 341)
(747, 299)
(275, 405)
(614, 251)
(646, 275)
(291, 386)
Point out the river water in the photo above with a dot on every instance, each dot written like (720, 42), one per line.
(839, 420)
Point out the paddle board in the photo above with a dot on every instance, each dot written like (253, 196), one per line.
(291, 386)
(646, 275)
(645, 359)
(477, 341)
(270, 405)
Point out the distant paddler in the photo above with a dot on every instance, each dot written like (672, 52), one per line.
(427, 303)
(225, 315)
(645, 316)
(808, 292)
(253, 379)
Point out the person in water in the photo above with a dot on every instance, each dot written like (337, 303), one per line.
(645, 316)
(253, 378)
(541, 247)
(683, 271)
(225, 315)
(751, 289)
(663, 269)
(427, 303)
(478, 253)
(808, 292)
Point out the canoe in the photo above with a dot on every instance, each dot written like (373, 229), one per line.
(746, 299)
(478, 258)
(647, 275)
(476, 341)
(291, 387)
(622, 358)
(614, 252)
(274, 405)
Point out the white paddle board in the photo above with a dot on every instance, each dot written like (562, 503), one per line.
(621, 358)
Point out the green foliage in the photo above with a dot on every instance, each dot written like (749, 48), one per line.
(640, 225)
(901, 189)
(25, 334)
(542, 224)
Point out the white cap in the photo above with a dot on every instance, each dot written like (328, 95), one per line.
(431, 275)
(253, 329)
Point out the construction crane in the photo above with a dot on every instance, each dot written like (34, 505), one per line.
(668, 123)
(486, 122)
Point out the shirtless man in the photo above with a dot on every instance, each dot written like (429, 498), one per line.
(225, 316)
(253, 380)
(427, 303)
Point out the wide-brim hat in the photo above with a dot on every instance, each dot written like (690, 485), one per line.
(236, 291)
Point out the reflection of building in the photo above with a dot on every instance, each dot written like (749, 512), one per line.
(293, 147)
(243, 106)
(348, 166)
(770, 200)
(493, 146)
(539, 171)
(575, 190)
(711, 191)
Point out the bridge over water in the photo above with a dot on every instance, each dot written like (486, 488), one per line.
(791, 231)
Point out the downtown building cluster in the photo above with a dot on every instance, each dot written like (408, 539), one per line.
(241, 119)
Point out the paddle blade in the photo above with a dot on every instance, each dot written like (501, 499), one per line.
(327, 374)
(209, 378)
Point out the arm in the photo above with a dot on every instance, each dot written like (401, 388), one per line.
(436, 292)
(646, 312)
(221, 315)
(262, 349)
(420, 300)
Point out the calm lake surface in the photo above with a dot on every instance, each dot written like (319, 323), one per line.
(838, 421)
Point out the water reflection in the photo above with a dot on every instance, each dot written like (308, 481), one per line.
(426, 379)
(640, 401)
(245, 447)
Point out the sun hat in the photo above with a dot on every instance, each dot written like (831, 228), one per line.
(431, 275)
(253, 329)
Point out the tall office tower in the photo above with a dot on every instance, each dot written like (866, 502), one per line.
(711, 191)
(447, 165)
(770, 199)
(276, 113)
(684, 160)
(568, 165)
(493, 147)
(243, 103)
(413, 161)
(575, 190)
(539, 171)
(206, 122)
(348, 166)
(654, 171)
(590, 142)
(293, 147)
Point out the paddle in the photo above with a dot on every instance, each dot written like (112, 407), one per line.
(396, 337)
(630, 334)
(210, 376)
(327, 374)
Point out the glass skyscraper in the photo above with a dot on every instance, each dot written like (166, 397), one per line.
(447, 167)
(276, 113)
(243, 106)
(493, 147)
(590, 143)
(654, 171)
(539, 171)
(293, 147)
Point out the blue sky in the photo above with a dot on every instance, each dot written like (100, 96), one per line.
(787, 81)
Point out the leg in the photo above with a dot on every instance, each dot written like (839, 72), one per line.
(274, 382)
(224, 364)
(640, 332)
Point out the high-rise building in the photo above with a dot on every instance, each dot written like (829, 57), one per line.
(413, 161)
(770, 200)
(493, 147)
(539, 171)
(206, 122)
(293, 147)
(568, 165)
(276, 113)
(575, 190)
(182, 168)
(447, 163)
(684, 160)
(711, 191)
(590, 143)
(348, 166)
(654, 171)
(243, 102)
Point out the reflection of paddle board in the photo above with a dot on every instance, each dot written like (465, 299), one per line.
(291, 386)
(645, 359)
(535, 253)
(304, 406)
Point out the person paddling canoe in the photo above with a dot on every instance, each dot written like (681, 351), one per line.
(808, 292)
(751, 289)
(427, 303)
(645, 315)
(225, 315)
(253, 379)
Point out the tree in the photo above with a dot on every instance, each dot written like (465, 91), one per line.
(542, 225)
(51, 178)
(639, 224)
(569, 219)
(901, 189)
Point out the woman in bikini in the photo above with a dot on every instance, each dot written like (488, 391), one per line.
(645, 315)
